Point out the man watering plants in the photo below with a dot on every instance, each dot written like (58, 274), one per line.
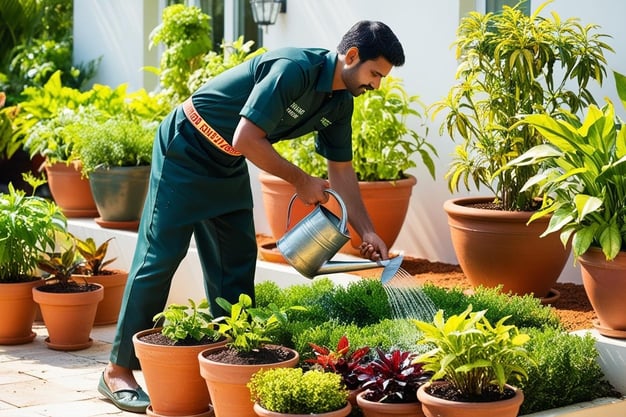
(200, 183)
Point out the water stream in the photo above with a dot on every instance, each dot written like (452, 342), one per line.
(407, 298)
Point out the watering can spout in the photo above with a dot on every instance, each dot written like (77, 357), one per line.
(391, 266)
(333, 267)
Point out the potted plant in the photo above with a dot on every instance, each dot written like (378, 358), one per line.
(343, 361)
(168, 355)
(68, 305)
(582, 179)
(390, 382)
(473, 363)
(511, 64)
(94, 269)
(228, 369)
(28, 227)
(116, 154)
(294, 392)
(384, 147)
(43, 128)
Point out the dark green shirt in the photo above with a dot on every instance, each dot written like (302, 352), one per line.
(287, 93)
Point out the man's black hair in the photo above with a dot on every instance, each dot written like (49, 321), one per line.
(373, 39)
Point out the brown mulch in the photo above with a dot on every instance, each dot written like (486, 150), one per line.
(572, 306)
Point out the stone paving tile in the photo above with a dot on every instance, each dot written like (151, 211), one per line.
(36, 381)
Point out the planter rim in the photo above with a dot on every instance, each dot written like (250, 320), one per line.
(360, 399)
(341, 411)
(421, 394)
(203, 358)
(267, 177)
(457, 207)
(594, 255)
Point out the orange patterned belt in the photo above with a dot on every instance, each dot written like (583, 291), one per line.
(206, 130)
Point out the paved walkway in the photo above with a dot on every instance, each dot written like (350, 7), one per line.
(36, 381)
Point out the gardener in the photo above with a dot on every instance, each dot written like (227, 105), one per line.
(200, 184)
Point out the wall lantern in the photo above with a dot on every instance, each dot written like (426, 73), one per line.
(265, 12)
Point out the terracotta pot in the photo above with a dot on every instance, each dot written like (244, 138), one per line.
(68, 317)
(172, 376)
(386, 202)
(70, 190)
(109, 308)
(276, 196)
(17, 310)
(605, 285)
(496, 247)
(376, 409)
(227, 383)
(437, 407)
(262, 412)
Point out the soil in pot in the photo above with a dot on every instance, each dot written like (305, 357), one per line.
(265, 355)
(448, 392)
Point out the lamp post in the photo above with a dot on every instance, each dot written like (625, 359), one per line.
(265, 12)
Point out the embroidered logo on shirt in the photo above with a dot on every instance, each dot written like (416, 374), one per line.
(295, 111)
(325, 122)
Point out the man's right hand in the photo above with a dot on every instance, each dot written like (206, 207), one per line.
(312, 190)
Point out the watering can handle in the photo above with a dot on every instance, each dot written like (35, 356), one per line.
(343, 225)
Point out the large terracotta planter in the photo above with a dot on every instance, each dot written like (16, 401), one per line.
(109, 308)
(227, 383)
(605, 285)
(70, 190)
(173, 379)
(437, 407)
(376, 409)
(17, 310)
(386, 202)
(262, 412)
(69, 317)
(496, 247)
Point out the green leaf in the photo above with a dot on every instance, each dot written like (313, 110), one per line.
(586, 204)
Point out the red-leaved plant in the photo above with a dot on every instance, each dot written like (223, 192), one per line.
(393, 377)
(341, 361)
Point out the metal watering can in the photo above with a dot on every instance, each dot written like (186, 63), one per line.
(313, 241)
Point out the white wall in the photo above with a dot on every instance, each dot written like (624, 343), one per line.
(118, 29)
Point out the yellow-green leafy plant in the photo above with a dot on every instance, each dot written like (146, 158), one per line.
(294, 391)
(471, 354)
(510, 65)
(582, 176)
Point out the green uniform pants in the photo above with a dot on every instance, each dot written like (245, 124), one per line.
(195, 189)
